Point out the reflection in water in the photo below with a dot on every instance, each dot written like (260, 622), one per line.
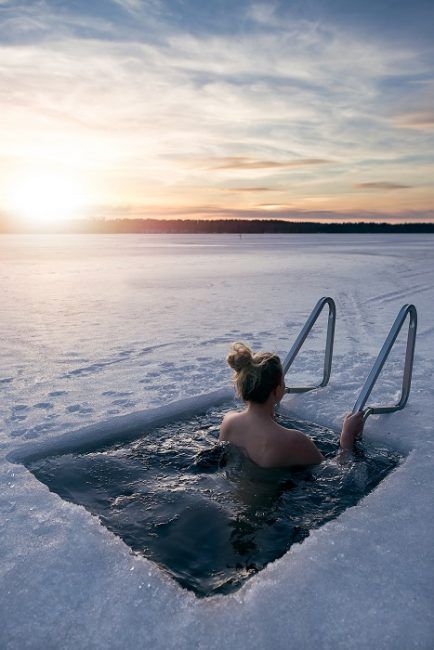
(201, 509)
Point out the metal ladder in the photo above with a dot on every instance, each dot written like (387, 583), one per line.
(328, 353)
(406, 310)
(409, 310)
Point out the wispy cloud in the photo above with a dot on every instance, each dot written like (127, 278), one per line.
(137, 8)
(250, 189)
(238, 162)
(130, 5)
(423, 120)
(381, 185)
(264, 14)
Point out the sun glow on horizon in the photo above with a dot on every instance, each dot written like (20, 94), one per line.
(44, 197)
(131, 109)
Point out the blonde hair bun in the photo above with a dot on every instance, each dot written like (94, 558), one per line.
(256, 375)
(239, 357)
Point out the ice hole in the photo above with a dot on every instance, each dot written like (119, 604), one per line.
(198, 508)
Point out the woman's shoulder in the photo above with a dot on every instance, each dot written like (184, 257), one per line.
(227, 424)
(297, 446)
(230, 415)
(288, 432)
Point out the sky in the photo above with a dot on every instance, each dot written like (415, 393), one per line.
(301, 109)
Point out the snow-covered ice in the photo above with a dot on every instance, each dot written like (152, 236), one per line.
(100, 327)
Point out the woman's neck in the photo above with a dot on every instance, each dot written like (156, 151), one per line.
(265, 410)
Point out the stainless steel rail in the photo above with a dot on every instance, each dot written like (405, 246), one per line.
(328, 354)
(381, 359)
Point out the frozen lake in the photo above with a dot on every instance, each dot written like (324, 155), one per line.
(96, 327)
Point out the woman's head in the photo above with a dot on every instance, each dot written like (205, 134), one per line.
(256, 375)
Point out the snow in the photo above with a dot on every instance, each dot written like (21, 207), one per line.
(108, 332)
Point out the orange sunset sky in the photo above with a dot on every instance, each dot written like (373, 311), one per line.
(170, 109)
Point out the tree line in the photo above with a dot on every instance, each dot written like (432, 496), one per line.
(221, 226)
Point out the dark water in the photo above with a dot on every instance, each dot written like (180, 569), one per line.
(201, 510)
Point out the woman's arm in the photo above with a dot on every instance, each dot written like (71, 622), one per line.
(352, 428)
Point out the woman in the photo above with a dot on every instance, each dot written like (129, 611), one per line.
(260, 383)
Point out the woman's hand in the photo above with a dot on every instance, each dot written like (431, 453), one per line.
(352, 428)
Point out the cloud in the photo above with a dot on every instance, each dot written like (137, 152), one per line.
(137, 7)
(423, 120)
(238, 162)
(264, 14)
(129, 5)
(381, 185)
(251, 189)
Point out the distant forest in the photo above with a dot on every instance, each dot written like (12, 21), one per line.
(220, 226)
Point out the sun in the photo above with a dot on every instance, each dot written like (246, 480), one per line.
(45, 197)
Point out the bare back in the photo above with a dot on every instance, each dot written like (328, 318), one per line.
(267, 443)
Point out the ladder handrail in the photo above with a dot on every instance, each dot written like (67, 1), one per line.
(328, 353)
(381, 359)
